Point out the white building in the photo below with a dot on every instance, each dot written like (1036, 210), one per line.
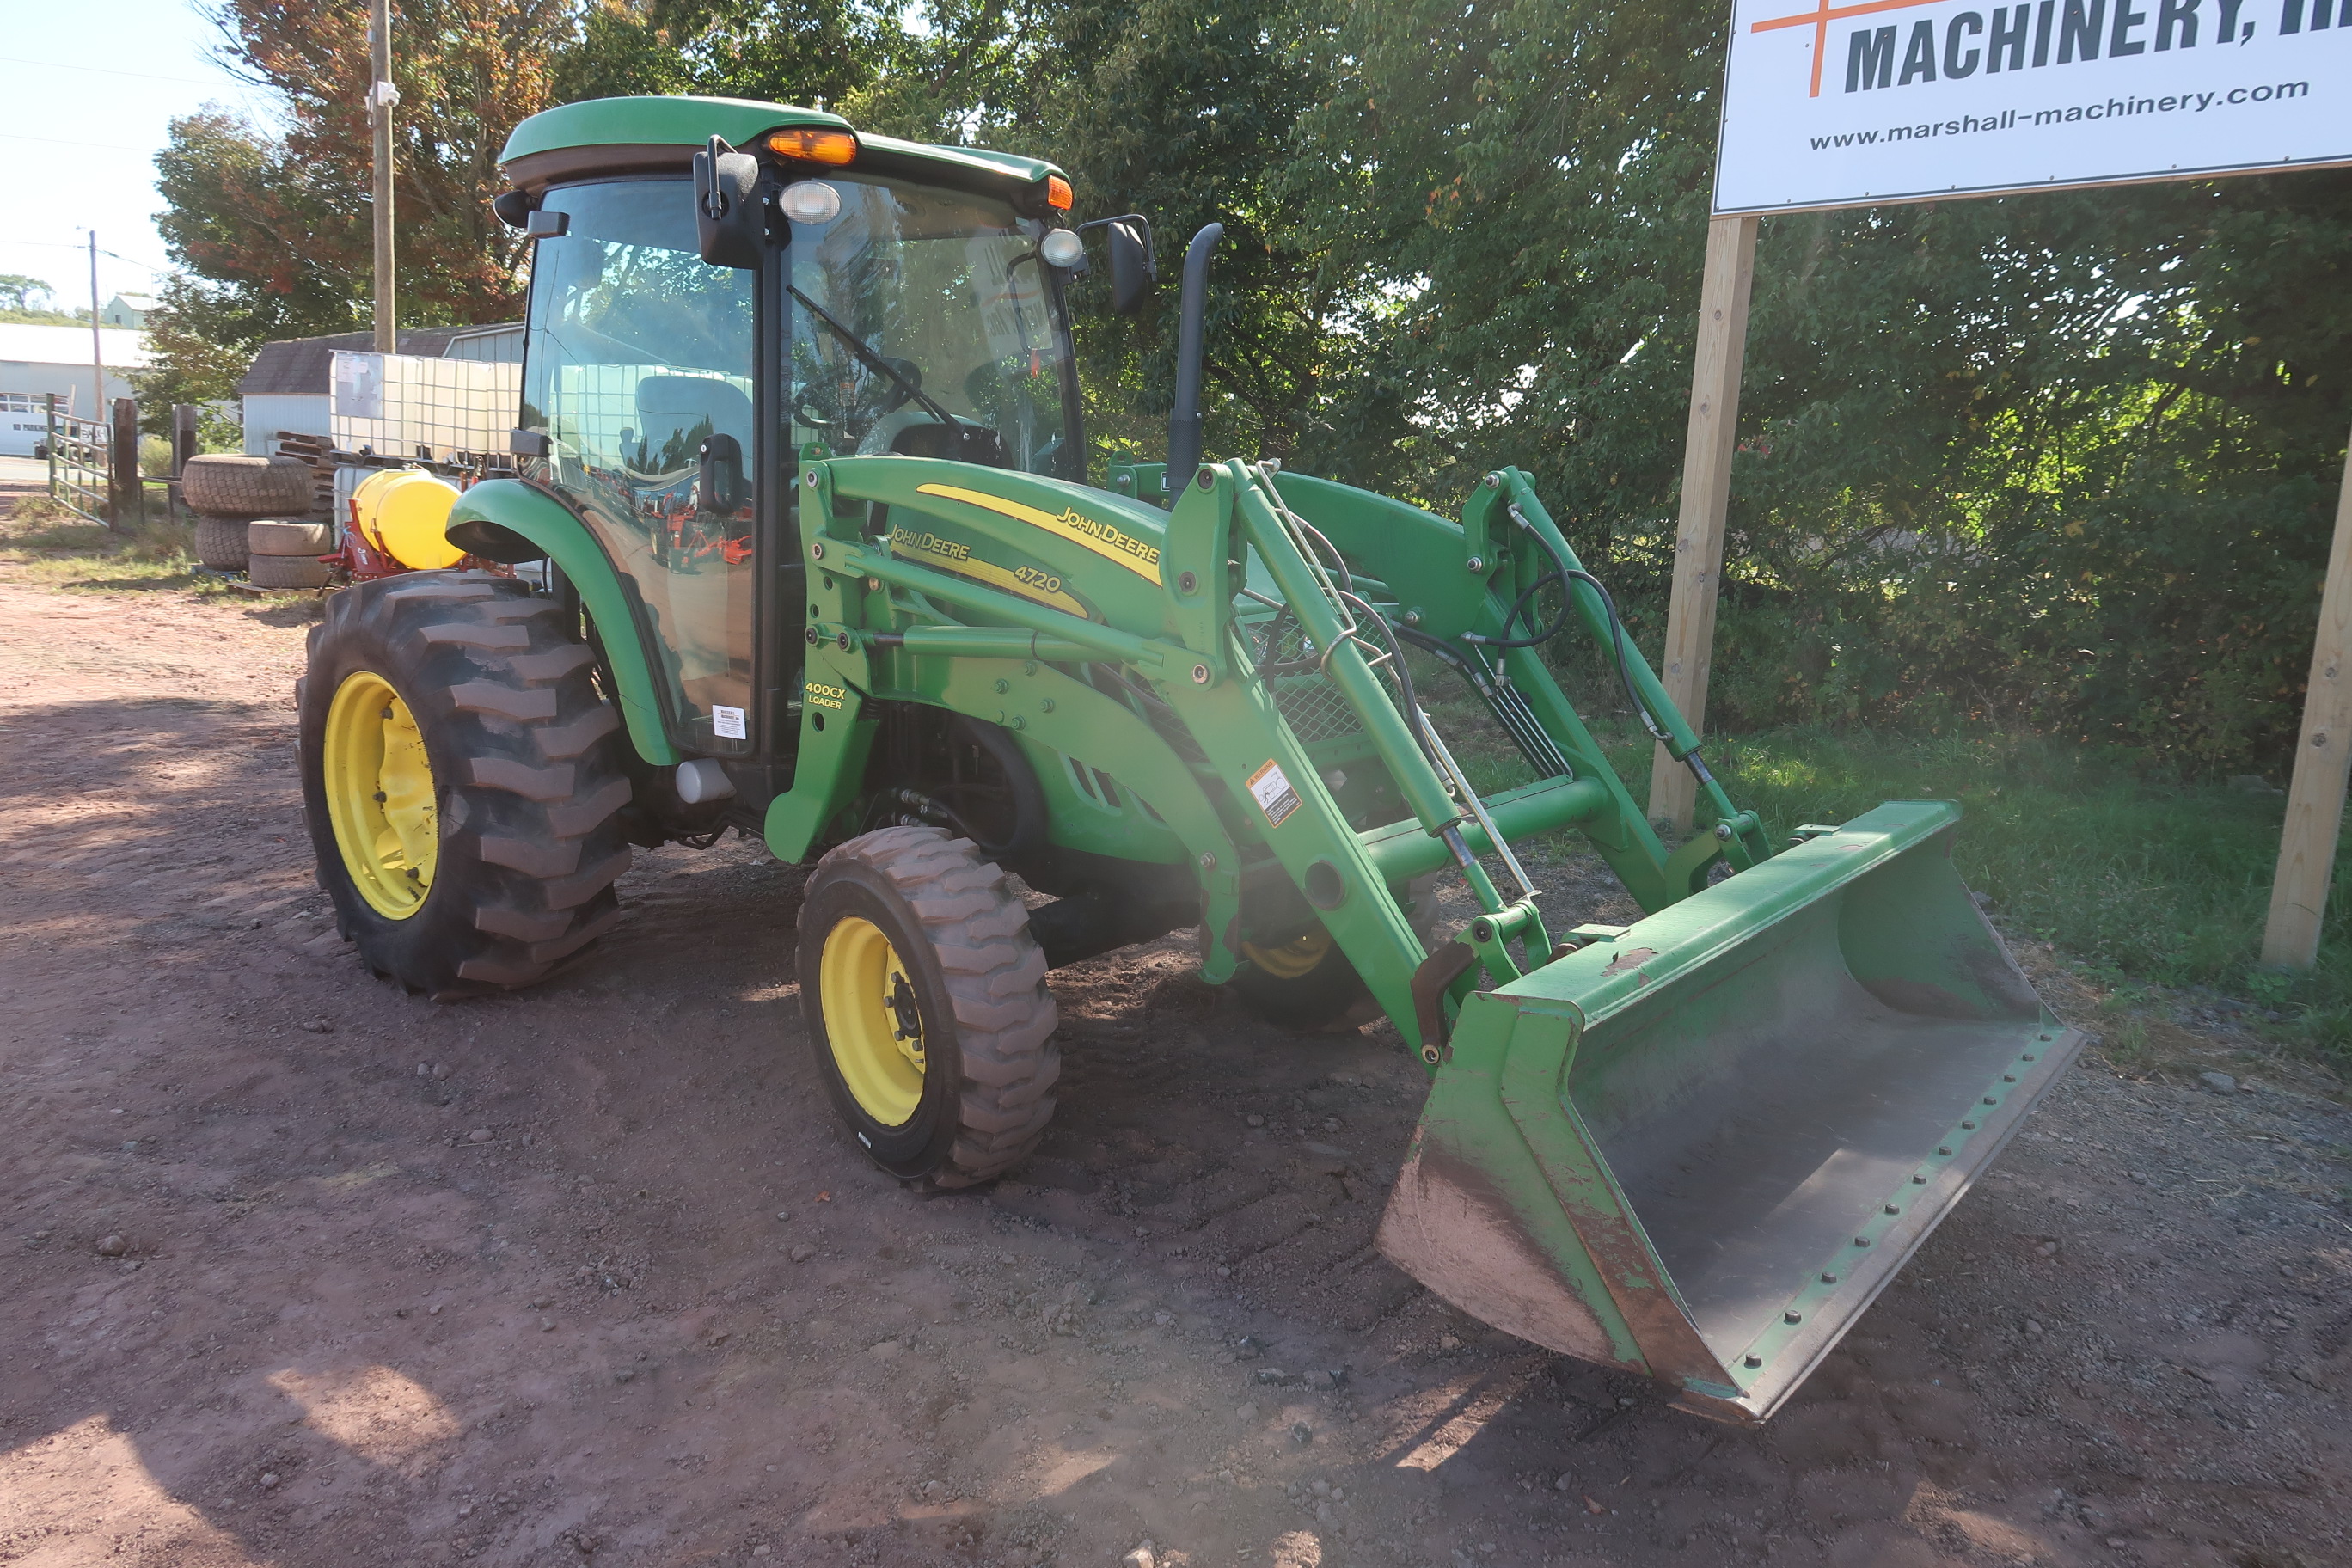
(127, 311)
(36, 361)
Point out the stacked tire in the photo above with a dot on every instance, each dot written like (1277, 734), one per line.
(228, 492)
(285, 554)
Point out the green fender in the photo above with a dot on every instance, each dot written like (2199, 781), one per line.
(508, 520)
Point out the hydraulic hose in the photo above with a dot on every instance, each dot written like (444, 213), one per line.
(1563, 573)
(1413, 717)
(1501, 699)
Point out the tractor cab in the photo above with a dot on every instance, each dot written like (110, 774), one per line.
(860, 298)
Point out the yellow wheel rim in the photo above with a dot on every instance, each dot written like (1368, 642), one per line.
(871, 1019)
(379, 788)
(1294, 958)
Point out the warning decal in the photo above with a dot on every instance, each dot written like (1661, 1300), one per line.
(1275, 796)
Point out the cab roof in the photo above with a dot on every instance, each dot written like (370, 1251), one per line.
(624, 135)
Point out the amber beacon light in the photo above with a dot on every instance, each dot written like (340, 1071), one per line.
(814, 144)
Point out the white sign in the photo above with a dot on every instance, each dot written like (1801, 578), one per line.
(1896, 101)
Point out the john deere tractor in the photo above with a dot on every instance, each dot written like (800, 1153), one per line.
(803, 541)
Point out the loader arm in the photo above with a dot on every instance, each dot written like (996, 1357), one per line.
(907, 555)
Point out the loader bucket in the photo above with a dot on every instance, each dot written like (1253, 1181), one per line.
(1700, 1149)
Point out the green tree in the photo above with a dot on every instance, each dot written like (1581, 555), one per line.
(2058, 459)
(951, 71)
(251, 224)
(1184, 112)
(16, 291)
(1521, 190)
(191, 360)
(272, 227)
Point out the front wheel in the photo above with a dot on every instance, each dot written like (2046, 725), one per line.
(926, 1001)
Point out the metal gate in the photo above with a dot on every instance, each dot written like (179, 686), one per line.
(80, 452)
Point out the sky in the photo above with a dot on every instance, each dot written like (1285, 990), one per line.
(88, 107)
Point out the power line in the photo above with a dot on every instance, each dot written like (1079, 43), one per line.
(62, 142)
(109, 70)
(61, 245)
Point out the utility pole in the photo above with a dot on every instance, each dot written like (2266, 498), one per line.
(381, 98)
(97, 351)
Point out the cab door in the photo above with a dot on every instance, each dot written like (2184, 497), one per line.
(643, 366)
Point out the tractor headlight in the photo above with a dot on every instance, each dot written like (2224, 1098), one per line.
(1063, 247)
(812, 201)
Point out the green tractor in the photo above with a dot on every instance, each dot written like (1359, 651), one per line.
(806, 545)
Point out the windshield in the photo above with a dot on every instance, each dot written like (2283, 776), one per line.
(952, 318)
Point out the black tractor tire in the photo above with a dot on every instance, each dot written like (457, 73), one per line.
(526, 778)
(1330, 997)
(232, 484)
(287, 572)
(312, 538)
(220, 544)
(977, 980)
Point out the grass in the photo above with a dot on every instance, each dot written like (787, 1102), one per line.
(2139, 881)
(2143, 884)
(42, 541)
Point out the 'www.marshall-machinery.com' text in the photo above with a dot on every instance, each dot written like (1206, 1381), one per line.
(2074, 115)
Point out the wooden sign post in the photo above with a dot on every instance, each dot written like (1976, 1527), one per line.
(2322, 764)
(1706, 499)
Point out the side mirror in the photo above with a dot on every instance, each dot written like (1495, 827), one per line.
(721, 477)
(1133, 273)
(730, 222)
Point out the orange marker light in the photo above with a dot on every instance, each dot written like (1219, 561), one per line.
(1058, 193)
(814, 144)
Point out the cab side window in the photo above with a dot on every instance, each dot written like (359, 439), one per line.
(639, 366)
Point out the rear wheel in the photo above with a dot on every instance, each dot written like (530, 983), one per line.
(461, 778)
(926, 1001)
(1308, 985)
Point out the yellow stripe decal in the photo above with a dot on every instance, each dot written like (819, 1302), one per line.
(1137, 555)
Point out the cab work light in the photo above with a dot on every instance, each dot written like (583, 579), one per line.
(814, 144)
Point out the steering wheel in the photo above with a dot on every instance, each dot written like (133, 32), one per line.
(903, 390)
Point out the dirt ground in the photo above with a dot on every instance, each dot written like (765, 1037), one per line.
(302, 1270)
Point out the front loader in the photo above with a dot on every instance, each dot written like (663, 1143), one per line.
(804, 544)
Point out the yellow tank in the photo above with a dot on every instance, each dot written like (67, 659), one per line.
(403, 511)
